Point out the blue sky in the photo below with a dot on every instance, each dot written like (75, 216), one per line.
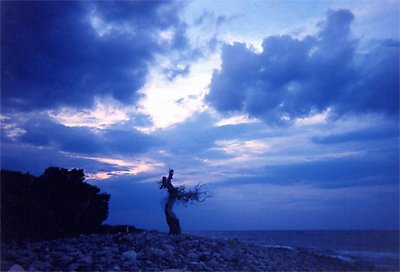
(288, 111)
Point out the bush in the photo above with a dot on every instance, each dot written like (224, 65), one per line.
(58, 203)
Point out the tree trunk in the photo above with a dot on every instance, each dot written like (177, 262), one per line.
(172, 220)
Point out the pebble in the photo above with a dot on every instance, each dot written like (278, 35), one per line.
(38, 265)
(150, 250)
(193, 255)
(130, 255)
(168, 247)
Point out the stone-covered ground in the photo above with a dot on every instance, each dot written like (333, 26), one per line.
(154, 251)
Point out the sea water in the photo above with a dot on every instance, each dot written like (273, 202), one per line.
(380, 247)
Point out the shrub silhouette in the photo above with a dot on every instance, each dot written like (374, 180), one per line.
(58, 203)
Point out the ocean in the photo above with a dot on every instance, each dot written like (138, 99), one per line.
(380, 247)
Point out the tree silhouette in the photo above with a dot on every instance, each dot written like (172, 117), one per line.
(180, 194)
(56, 204)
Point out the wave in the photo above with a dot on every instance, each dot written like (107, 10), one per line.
(280, 247)
(384, 260)
(370, 254)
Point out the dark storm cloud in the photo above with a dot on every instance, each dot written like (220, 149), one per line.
(52, 53)
(45, 133)
(294, 78)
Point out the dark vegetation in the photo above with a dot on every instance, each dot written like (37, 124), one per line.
(181, 194)
(59, 203)
(56, 204)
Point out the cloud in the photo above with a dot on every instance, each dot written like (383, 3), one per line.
(235, 120)
(68, 53)
(105, 113)
(294, 78)
(43, 132)
(120, 167)
(366, 134)
(168, 101)
(33, 142)
(34, 159)
(337, 172)
(255, 153)
(242, 147)
(198, 134)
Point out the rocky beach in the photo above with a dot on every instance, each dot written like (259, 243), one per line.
(156, 251)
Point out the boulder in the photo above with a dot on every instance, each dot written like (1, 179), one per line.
(16, 268)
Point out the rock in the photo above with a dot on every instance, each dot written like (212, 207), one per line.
(216, 255)
(130, 255)
(65, 258)
(200, 266)
(85, 260)
(38, 265)
(204, 257)
(213, 263)
(228, 254)
(130, 265)
(157, 252)
(168, 248)
(16, 268)
(107, 250)
(193, 255)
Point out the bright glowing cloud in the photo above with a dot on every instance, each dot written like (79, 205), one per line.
(105, 113)
(235, 120)
(166, 35)
(319, 118)
(233, 147)
(124, 167)
(169, 102)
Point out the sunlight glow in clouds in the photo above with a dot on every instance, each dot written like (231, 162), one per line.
(133, 167)
(105, 112)
(238, 154)
(319, 118)
(235, 147)
(166, 35)
(235, 120)
(169, 102)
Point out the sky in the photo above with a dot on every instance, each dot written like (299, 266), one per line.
(287, 111)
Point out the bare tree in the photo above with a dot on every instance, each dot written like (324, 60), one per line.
(180, 194)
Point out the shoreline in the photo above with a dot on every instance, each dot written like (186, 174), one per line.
(157, 251)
